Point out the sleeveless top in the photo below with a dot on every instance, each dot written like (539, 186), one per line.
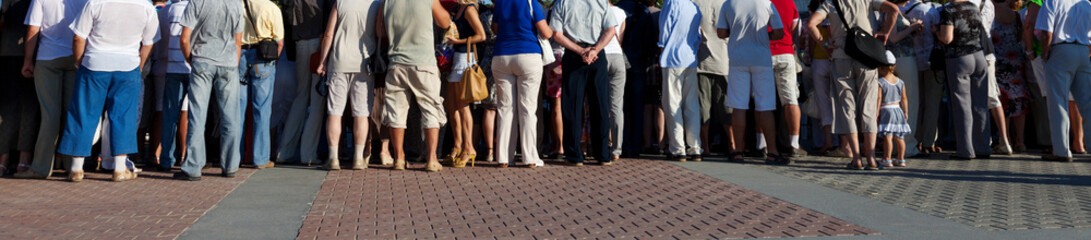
(892, 93)
(462, 24)
(354, 35)
(409, 27)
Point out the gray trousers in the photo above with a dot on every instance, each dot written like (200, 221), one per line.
(1068, 71)
(306, 119)
(967, 80)
(616, 67)
(931, 95)
(224, 81)
(53, 80)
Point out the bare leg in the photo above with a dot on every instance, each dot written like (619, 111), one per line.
(397, 137)
(738, 125)
(156, 138)
(333, 134)
(24, 158)
(4, 162)
(1001, 125)
(558, 134)
(467, 134)
(730, 134)
(431, 139)
(704, 139)
(900, 143)
(1017, 129)
(791, 117)
(767, 123)
(868, 148)
(851, 143)
(660, 127)
(828, 135)
(488, 130)
(456, 130)
(888, 147)
(1076, 118)
(183, 128)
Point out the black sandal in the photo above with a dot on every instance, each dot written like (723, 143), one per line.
(852, 166)
(777, 159)
(736, 157)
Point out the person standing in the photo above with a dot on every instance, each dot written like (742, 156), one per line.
(54, 72)
(1065, 36)
(929, 78)
(855, 87)
(175, 84)
(113, 39)
(680, 24)
(584, 28)
(903, 46)
(784, 72)
(1011, 69)
(211, 42)
(468, 24)
(617, 66)
(960, 30)
(19, 111)
(302, 128)
(746, 26)
(263, 23)
(712, 75)
(349, 41)
(517, 65)
(413, 75)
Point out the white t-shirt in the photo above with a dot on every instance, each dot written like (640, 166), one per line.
(614, 47)
(748, 23)
(115, 31)
(1067, 20)
(52, 17)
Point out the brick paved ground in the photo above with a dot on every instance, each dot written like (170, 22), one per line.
(1005, 193)
(151, 207)
(636, 199)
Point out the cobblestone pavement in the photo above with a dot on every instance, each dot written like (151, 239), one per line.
(150, 207)
(635, 199)
(1004, 193)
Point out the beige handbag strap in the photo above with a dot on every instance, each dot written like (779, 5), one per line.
(472, 52)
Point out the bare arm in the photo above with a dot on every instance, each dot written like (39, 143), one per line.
(78, 46)
(946, 34)
(892, 12)
(812, 26)
(559, 37)
(1028, 28)
(607, 36)
(1046, 38)
(440, 15)
(31, 46)
(776, 34)
(475, 23)
(905, 104)
(238, 46)
(621, 32)
(544, 30)
(145, 51)
(327, 42)
(900, 35)
(183, 43)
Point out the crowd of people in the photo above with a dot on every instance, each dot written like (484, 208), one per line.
(164, 82)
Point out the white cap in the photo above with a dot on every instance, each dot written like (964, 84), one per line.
(890, 59)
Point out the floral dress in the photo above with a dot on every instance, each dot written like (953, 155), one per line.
(1010, 68)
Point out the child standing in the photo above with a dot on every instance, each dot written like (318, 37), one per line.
(893, 123)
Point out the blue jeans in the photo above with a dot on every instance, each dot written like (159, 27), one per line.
(257, 89)
(223, 82)
(175, 88)
(119, 92)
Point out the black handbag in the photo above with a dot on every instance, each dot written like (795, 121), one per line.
(267, 47)
(861, 45)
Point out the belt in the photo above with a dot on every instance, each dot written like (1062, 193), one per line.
(249, 46)
(1073, 43)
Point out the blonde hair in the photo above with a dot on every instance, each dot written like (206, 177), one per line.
(466, 2)
(883, 70)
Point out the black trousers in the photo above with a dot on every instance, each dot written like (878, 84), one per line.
(582, 80)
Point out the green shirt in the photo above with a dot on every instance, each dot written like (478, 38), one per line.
(409, 25)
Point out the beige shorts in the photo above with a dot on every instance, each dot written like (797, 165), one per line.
(419, 83)
(349, 87)
(784, 71)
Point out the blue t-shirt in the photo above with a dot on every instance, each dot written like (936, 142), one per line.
(516, 33)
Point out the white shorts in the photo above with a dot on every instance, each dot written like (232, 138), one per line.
(752, 80)
(460, 66)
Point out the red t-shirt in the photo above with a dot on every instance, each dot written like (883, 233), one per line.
(788, 15)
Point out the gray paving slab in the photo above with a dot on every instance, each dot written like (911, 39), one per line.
(271, 204)
(894, 222)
